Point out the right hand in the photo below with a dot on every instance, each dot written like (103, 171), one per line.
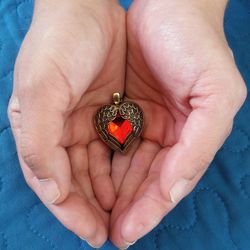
(72, 58)
(180, 70)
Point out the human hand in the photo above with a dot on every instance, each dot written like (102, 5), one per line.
(72, 58)
(181, 71)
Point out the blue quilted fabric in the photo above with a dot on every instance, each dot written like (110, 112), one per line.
(215, 216)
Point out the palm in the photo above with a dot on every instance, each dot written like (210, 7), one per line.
(92, 193)
(165, 67)
(136, 175)
(174, 76)
(83, 65)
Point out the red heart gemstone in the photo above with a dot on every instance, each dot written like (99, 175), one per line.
(120, 129)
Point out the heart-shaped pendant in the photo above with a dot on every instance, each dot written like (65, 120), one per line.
(119, 124)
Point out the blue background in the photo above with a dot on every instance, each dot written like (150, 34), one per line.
(215, 216)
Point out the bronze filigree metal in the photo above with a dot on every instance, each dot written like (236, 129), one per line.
(120, 123)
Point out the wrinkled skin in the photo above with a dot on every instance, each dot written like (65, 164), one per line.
(179, 69)
(75, 56)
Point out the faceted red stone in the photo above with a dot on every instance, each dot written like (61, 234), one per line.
(120, 129)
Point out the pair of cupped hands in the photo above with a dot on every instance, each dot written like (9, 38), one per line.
(170, 57)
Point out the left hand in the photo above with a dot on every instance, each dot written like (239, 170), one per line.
(180, 70)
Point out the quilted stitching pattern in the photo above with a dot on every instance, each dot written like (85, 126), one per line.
(214, 216)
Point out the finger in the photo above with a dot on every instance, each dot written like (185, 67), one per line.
(75, 131)
(81, 182)
(78, 215)
(141, 217)
(136, 174)
(145, 211)
(203, 134)
(91, 221)
(181, 168)
(99, 156)
(78, 155)
(91, 224)
(37, 128)
(144, 214)
(121, 163)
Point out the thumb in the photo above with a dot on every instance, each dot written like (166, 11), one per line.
(37, 122)
(205, 130)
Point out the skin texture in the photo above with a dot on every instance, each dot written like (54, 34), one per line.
(179, 69)
(75, 56)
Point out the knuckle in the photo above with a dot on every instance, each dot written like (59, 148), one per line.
(29, 153)
(229, 130)
(236, 94)
(242, 93)
(204, 161)
(29, 182)
(30, 158)
(14, 113)
(12, 107)
(200, 165)
(9, 111)
(10, 115)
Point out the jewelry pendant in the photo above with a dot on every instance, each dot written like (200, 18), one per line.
(119, 124)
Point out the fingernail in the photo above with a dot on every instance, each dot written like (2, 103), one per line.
(128, 244)
(89, 243)
(132, 232)
(49, 190)
(82, 238)
(178, 190)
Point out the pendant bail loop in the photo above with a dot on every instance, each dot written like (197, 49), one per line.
(117, 98)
